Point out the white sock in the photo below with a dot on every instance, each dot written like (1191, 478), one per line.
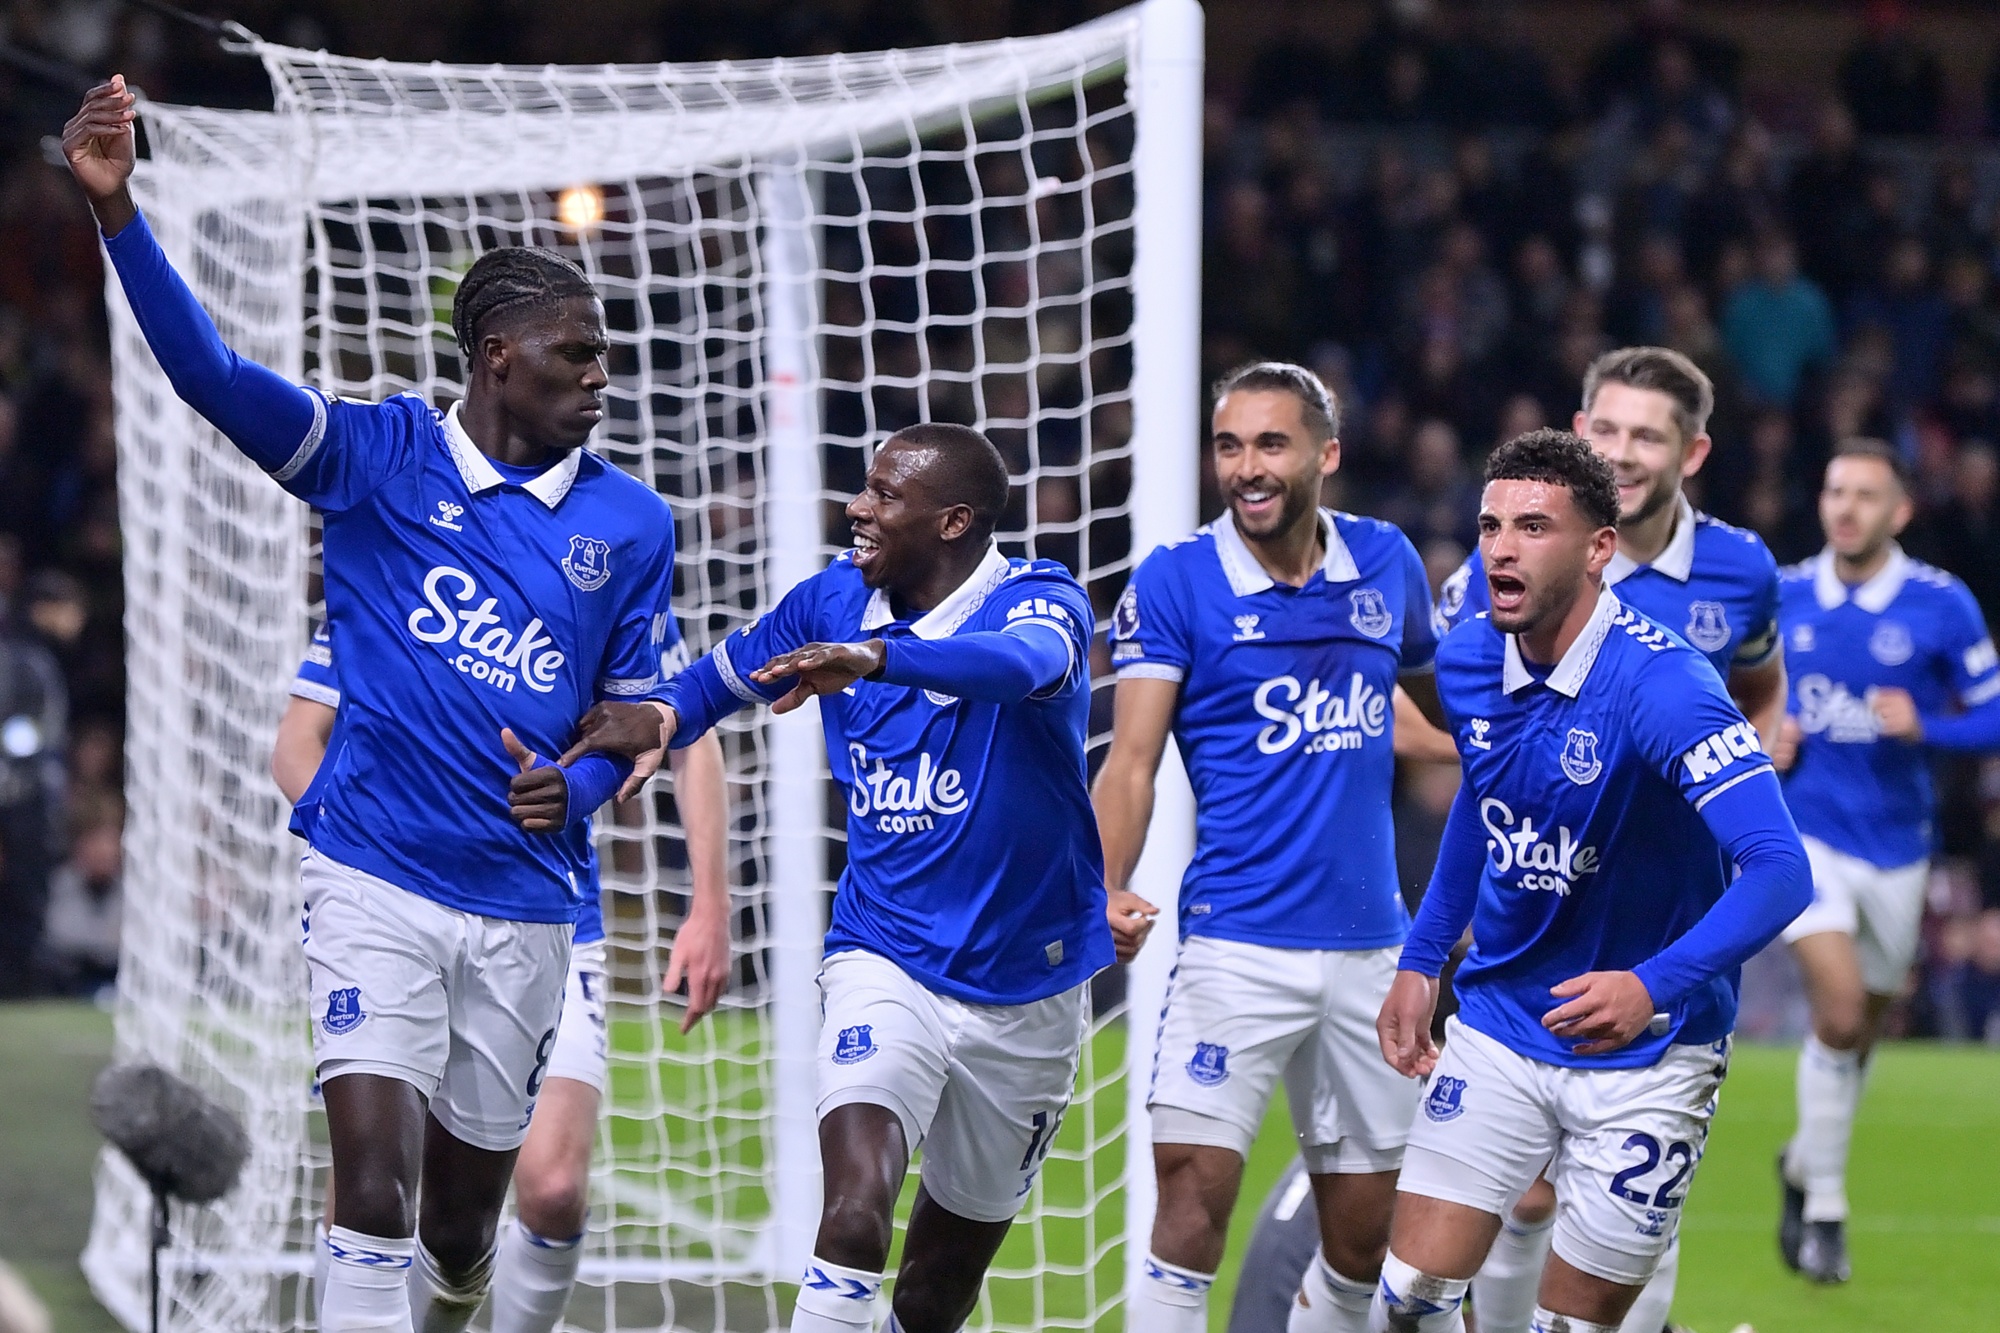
(833, 1299)
(367, 1283)
(1829, 1091)
(1330, 1302)
(1170, 1299)
(1544, 1322)
(1656, 1300)
(532, 1279)
(437, 1303)
(1408, 1301)
(1504, 1291)
(321, 1262)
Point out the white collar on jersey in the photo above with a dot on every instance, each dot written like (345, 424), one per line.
(1676, 561)
(1571, 672)
(1873, 596)
(1246, 576)
(943, 620)
(479, 474)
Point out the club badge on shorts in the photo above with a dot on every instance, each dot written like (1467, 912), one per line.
(1445, 1102)
(1209, 1065)
(343, 1011)
(854, 1044)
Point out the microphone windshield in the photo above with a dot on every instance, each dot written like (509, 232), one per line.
(183, 1142)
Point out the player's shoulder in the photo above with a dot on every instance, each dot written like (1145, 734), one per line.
(1184, 554)
(1799, 573)
(1724, 546)
(1471, 643)
(1661, 665)
(1369, 537)
(1026, 580)
(1927, 580)
(618, 491)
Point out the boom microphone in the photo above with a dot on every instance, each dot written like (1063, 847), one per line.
(185, 1144)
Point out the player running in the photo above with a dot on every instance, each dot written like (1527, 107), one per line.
(1270, 644)
(538, 1256)
(1609, 785)
(1883, 646)
(496, 578)
(1645, 411)
(954, 691)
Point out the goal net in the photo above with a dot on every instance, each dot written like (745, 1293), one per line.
(796, 257)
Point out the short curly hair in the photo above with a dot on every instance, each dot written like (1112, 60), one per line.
(1560, 459)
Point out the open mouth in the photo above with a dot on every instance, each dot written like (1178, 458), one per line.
(1257, 501)
(866, 549)
(1506, 592)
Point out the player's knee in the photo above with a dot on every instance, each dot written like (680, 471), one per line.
(855, 1231)
(927, 1307)
(1356, 1251)
(461, 1245)
(1840, 1026)
(1197, 1187)
(1538, 1205)
(377, 1206)
(553, 1205)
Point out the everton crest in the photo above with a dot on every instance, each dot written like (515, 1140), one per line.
(1371, 613)
(588, 563)
(1210, 1064)
(1890, 644)
(343, 1011)
(1446, 1101)
(1708, 626)
(854, 1044)
(1579, 761)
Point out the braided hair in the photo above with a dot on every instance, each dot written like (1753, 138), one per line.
(515, 280)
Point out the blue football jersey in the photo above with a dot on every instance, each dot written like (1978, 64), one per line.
(464, 602)
(1589, 780)
(1714, 585)
(972, 854)
(1912, 627)
(1285, 723)
(316, 681)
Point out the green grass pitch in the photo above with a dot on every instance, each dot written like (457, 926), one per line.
(1925, 1188)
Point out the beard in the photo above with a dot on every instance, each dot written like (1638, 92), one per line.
(1295, 503)
(1551, 599)
(1658, 496)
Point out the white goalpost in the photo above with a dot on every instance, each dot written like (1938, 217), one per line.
(797, 257)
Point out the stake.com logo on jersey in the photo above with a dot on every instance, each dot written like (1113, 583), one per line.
(1547, 867)
(901, 801)
(497, 655)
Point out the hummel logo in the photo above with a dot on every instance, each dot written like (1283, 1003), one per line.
(1478, 741)
(447, 515)
(1246, 629)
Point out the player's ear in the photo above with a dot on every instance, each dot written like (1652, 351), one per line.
(954, 522)
(1696, 455)
(1329, 456)
(493, 353)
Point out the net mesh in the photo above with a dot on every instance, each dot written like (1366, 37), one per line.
(952, 232)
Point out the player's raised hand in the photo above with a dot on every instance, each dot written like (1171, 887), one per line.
(1606, 1010)
(1132, 920)
(537, 798)
(98, 144)
(820, 668)
(1785, 750)
(639, 732)
(1896, 714)
(700, 957)
(1404, 1025)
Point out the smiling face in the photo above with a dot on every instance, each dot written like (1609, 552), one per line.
(1862, 507)
(551, 372)
(1634, 430)
(901, 530)
(1538, 549)
(1267, 463)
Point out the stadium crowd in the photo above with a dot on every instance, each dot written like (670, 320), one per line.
(1441, 217)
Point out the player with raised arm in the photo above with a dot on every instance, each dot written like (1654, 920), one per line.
(1269, 644)
(1884, 648)
(1645, 410)
(954, 691)
(496, 578)
(1609, 786)
(537, 1261)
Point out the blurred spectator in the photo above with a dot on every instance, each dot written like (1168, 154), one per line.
(1436, 500)
(1902, 304)
(1826, 201)
(1892, 84)
(1963, 534)
(86, 901)
(1632, 58)
(1971, 1001)
(34, 715)
(1778, 324)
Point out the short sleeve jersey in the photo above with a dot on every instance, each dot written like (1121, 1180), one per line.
(1589, 780)
(1284, 723)
(1912, 627)
(972, 854)
(1715, 586)
(464, 602)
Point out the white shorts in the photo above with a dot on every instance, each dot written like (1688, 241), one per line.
(982, 1087)
(1883, 909)
(464, 1007)
(1240, 1016)
(582, 1043)
(1620, 1145)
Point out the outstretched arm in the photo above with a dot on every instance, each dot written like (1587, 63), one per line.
(993, 666)
(273, 421)
(1142, 716)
